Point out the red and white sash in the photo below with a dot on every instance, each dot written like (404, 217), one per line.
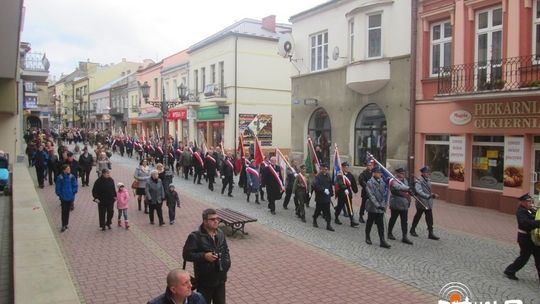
(199, 159)
(210, 158)
(160, 150)
(253, 171)
(228, 163)
(303, 180)
(276, 176)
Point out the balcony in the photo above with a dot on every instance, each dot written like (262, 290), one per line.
(516, 75)
(216, 93)
(116, 111)
(368, 76)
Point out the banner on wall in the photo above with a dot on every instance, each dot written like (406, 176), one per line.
(457, 159)
(260, 125)
(514, 148)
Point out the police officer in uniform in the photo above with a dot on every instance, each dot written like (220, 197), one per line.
(400, 202)
(345, 188)
(526, 223)
(376, 206)
(322, 184)
(423, 192)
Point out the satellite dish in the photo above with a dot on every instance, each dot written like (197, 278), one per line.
(285, 45)
(335, 53)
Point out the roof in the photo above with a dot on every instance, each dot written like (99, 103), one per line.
(245, 27)
(314, 9)
(108, 85)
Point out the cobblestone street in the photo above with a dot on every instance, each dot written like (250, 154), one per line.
(283, 260)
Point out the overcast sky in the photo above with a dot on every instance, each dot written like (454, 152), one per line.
(106, 31)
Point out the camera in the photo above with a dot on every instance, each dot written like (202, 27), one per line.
(219, 265)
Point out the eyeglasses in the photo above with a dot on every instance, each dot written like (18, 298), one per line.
(214, 219)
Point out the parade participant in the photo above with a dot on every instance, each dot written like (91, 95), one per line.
(322, 184)
(376, 206)
(104, 193)
(273, 181)
(227, 174)
(102, 162)
(73, 163)
(253, 181)
(199, 166)
(178, 157)
(345, 189)
(122, 204)
(159, 153)
(155, 195)
(178, 290)
(66, 188)
(129, 148)
(40, 159)
(525, 215)
(289, 182)
(170, 161)
(86, 161)
(52, 166)
(301, 190)
(210, 164)
(362, 180)
(173, 201)
(186, 162)
(121, 146)
(142, 175)
(207, 249)
(425, 205)
(400, 202)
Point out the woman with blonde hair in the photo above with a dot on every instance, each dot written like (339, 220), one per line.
(103, 162)
(155, 195)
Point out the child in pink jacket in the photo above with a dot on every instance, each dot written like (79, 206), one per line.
(122, 203)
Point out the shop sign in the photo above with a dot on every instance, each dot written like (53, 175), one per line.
(460, 117)
(457, 158)
(513, 161)
(507, 115)
(218, 124)
(201, 124)
(223, 109)
(177, 114)
(30, 102)
(191, 114)
(259, 125)
(210, 113)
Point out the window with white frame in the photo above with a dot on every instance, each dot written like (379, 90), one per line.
(203, 76)
(441, 46)
(374, 36)
(436, 156)
(536, 29)
(175, 89)
(489, 31)
(488, 162)
(213, 73)
(319, 51)
(196, 81)
(351, 39)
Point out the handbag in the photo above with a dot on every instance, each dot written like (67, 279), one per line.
(192, 278)
(135, 184)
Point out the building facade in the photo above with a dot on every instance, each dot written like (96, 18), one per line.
(351, 80)
(478, 99)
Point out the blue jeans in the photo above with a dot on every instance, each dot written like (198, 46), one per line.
(124, 212)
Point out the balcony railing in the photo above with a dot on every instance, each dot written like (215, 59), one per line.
(35, 62)
(500, 75)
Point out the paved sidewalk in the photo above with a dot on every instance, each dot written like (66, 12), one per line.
(129, 266)
(6, 251)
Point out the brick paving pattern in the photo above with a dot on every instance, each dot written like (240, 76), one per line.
(285, 261)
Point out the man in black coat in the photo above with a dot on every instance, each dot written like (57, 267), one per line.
(178, 290)
(207, 249)
(198, 163)
(40, 159)
(104, 193)
(526, 223)
(273, 181)
(86, 161)
(227, 173)
(322, 184)
(210, 164)
(345, 186)
(289, 182)
(362, 180)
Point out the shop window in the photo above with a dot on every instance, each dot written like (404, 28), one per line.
(488, 162)
(436, 151)
(201, 133)
(370, 135)
(319, 129)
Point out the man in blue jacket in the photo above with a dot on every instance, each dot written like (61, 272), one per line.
(66, 188)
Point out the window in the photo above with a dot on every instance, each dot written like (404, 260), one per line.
(536, 29)
(441, 46)
(167, 91)
(213, 73)
(156, 88)
(196, 79)
(221, 77)
(436, 152)
(370, 135)
(175, 89)
(320, 131)
(319, 51)
(351, 39)
(488, 162)
(203, 76)
(374, 36)
(488, 47)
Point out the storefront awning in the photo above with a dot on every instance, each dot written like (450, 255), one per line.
(150, 116)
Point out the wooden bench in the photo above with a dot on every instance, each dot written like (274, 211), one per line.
(234, 219)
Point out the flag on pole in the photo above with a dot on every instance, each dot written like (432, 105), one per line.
(241, 150)
(338, 170)
(282, 162)
(259, 158)
(314, 159)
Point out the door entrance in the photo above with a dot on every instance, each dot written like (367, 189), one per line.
(535, 184)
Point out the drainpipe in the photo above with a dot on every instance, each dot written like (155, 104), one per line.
(235, 88)
(412, 96)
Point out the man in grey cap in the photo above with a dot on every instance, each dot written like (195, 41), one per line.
(399, 204)
(425, 205)
(376, 206)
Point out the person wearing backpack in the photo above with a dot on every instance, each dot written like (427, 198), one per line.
(66, 188)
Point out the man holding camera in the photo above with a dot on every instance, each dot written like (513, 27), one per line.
(207, 249)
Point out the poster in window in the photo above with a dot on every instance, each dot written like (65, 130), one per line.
(259, 125)
(457, 158)
(513, 161)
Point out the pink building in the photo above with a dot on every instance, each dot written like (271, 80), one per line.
(478, 99)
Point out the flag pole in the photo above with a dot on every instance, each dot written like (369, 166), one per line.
(342, 176)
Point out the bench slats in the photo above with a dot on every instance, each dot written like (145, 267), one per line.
(234, 219)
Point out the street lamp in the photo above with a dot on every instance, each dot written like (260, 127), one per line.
(164, 105)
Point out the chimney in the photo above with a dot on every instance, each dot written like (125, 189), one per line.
(269, 23)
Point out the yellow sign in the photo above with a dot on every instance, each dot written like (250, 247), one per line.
(492, 154)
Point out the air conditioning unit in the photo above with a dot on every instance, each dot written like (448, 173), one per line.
(210, 90)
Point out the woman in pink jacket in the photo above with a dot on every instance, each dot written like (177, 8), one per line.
(122, 203)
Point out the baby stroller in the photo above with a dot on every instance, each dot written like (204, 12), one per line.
(5, 185)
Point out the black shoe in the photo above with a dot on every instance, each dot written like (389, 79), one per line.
(303, 219)
(354, 224)
(63, 229)
(229, 195)
(406, 241)
(222, 191)
(391, 236)
(385, 245)
(285, 207)
(511, 276)
(161, 224)
(145, 212)
(368, 241)
(273, 212)
(337, 221)
(361, 220)
(257, 202)
(433, 237)
(109, 226)
(329, 228)
(315, 223)
(151, 223)
(413, 233)
(102, 228)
